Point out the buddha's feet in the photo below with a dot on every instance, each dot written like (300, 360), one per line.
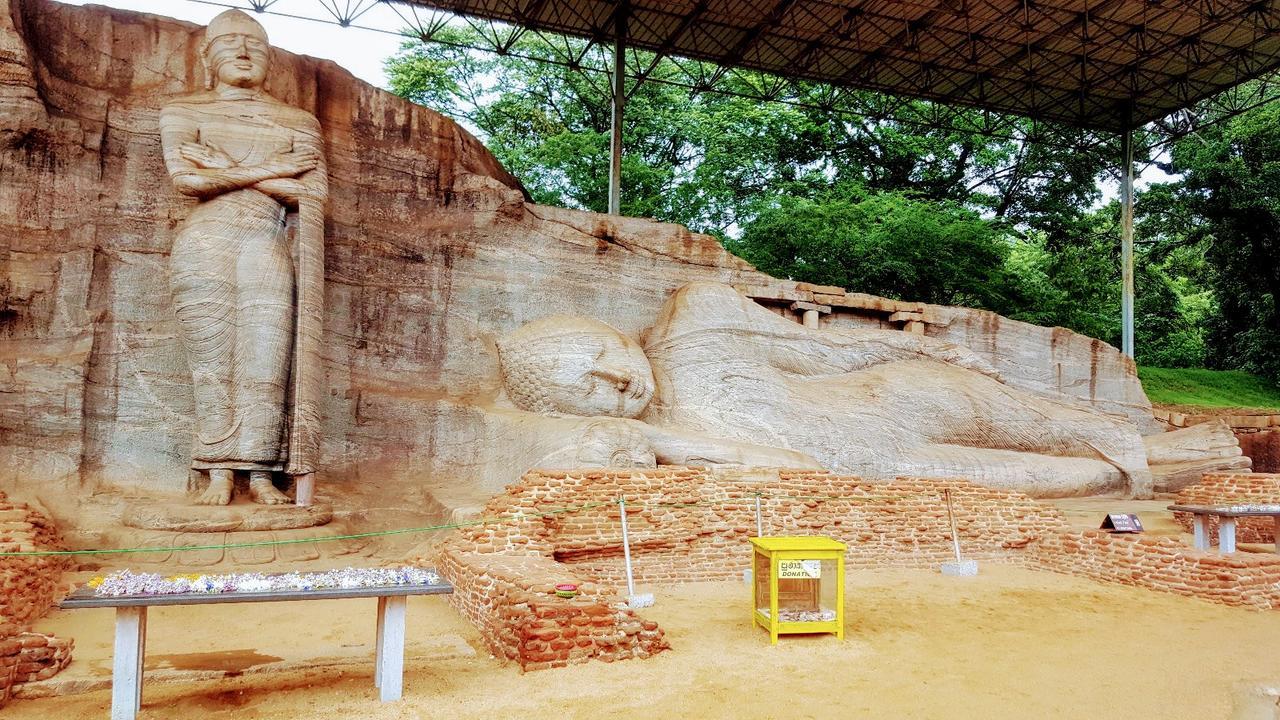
(264, 492)
(221, 483)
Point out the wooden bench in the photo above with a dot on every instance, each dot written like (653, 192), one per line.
(131, 631)
(1226, 524)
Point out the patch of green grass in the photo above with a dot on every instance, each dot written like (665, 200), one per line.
(1209, 388)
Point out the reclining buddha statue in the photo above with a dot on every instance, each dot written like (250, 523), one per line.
(720, 379)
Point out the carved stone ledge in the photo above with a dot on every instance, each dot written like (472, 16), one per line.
(176, 516)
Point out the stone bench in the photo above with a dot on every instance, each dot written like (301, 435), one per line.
(1227, 523)
(131, 631)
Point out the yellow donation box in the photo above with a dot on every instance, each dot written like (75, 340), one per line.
(799, 585)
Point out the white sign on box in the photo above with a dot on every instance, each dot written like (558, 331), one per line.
(799, 569)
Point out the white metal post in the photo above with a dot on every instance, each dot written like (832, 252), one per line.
(1200, 526)
(759, 523)
(955, 535)
(377, 651)
(1126, 242)
(619, 100)
(626, 547)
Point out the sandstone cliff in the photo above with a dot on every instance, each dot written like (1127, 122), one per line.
(432, 252)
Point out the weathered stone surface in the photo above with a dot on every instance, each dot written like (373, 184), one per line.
(876, 403)
(181, 517)
(1055, 362)
(431, 254)
(1181, 457)
(247, 265)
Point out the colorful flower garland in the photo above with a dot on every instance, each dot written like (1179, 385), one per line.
(125, 582)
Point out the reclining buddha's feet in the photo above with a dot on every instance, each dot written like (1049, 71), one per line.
(263, 492)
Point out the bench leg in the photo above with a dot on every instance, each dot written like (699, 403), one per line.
(377, 653)
(126, 670)
(389, 673)
(1227, 535)
(1201, 525)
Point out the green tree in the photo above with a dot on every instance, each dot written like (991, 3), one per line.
(709, 160)
(881, 243)
(809, 191)
(1220, 224)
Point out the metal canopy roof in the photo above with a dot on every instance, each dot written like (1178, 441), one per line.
(1098, 64)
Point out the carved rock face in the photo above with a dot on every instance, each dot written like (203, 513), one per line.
(236, 51)
(563, 365)
(431, 250)
(238, 60)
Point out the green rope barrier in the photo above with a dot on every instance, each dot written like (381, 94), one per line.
(295, 541)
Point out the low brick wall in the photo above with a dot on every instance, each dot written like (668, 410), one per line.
(1165, 564)
(28, 657)
(511, 599)
(29, 587)
(686, 524)
(689, 524)
(1234, 489)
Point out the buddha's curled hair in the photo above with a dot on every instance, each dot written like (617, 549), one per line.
(531, 356)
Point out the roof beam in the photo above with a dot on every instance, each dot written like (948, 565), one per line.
(674, 37)
(530, 12)
(1024, 57)
(912, 27)
(744, 46)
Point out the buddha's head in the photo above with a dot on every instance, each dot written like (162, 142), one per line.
(563, 365)
(236, 51)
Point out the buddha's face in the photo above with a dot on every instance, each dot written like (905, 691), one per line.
(575, 366)
(238, 59)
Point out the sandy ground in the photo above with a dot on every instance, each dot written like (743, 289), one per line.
(1010, 643)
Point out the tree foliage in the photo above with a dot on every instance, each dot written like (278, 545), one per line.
(1220, 225)
(882, 243)
(711, 160)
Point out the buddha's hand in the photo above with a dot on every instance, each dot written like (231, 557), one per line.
(206, 156)
(292, 163)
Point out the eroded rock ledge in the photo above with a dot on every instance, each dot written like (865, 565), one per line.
(432, 252)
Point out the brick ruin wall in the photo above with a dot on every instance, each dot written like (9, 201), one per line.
(1234, 489)
(1262, 447)
(686, 524)
(690, 524)
(1163, 563)
(29, 587)
(511, 599)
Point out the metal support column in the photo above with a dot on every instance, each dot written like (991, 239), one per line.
(619, 99)
(1126, 242)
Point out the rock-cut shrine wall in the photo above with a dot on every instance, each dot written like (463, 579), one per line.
(431, 253)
